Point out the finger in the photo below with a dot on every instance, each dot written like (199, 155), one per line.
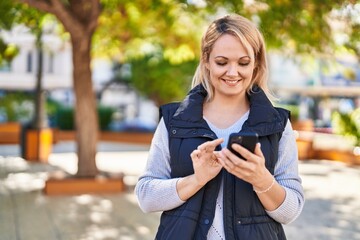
(235, 160)
(214, 159)
(218, 141)
(195, 154)
(258, 150)
(220, 158)
(246, 154)
(229, 159)
(217, 156)
(226, 163)
(210, 145)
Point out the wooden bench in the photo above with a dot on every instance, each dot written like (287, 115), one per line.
(10, 133)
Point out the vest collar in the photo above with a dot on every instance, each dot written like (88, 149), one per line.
(191, 108)
(263, 118)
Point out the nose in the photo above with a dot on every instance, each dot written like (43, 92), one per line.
(232, 71)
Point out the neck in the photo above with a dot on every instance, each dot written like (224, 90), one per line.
(230, 109)
(229, 105)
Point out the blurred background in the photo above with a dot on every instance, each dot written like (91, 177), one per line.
(81, 83)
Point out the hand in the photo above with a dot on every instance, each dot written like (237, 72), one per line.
(205, 163)
(252, 170)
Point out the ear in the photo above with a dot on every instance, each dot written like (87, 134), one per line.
(255, 71)
(207, 65)
(256, 66)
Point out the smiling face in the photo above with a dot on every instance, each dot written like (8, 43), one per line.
(230, 66)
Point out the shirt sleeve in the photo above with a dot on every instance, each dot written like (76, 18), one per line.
(286, 174)
(156, 190)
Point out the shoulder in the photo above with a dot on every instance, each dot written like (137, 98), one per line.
(168, 110)
(169, 106)
(283, 112)
(284, 115)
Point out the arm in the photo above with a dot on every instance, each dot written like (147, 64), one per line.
(286, 174)
(281, 194)
(155, 190)
(271, 194)
(206, 167)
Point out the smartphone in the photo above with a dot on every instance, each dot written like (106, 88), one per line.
(246, 139)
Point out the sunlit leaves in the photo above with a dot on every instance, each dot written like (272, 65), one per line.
(347, 32)
(348, 124)
(10, 52)
(131, 26)
(183, 53)
(158, 79)
(13, 13)
(170, 30)
(161, 39)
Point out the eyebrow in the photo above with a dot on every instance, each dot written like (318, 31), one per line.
(239, 58)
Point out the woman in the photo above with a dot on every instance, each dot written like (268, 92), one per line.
(204, 190)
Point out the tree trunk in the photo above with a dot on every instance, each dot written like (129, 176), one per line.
(79, 18)
(85, 108)
(40, 118)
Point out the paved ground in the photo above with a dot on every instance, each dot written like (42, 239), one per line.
(332, 209)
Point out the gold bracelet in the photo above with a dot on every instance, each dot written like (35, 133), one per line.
(266, 190)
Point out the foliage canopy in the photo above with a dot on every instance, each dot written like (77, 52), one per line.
(130, 30)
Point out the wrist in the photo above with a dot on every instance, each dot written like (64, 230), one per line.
(264, 190)
(197, 182)
(264, 183)
(187, 186)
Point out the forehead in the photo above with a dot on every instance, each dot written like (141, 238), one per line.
(231, 45)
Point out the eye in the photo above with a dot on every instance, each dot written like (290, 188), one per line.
(244, 63)
(221, 63)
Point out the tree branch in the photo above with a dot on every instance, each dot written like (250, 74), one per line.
(71, 22)
(95, 13)
(66, 18)
(42, 5)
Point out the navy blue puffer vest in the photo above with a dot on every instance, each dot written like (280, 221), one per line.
(244, 215)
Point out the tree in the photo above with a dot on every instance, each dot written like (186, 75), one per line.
(7, 51)
(32, 19)
(291, 26)
(79, 18)
(160, 80)
(166, 30)
(160, 40)
(347, 18)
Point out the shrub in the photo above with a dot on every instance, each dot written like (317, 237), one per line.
(348, 125)
(65, 117)
(17, 106)
(105, 116)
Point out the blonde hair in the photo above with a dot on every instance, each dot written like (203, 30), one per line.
(251, 38)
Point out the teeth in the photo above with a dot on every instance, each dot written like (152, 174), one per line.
(231, 81)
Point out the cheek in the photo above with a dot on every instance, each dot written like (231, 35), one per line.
(247, 72)
(216, 71)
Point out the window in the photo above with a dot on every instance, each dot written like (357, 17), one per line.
(51, 63)
(29, 62)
